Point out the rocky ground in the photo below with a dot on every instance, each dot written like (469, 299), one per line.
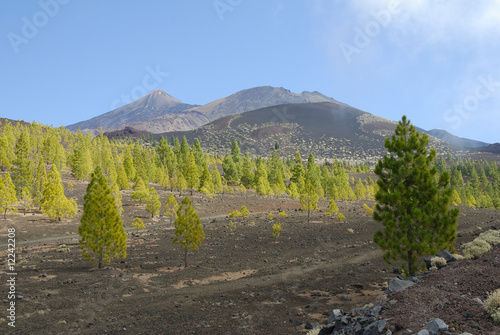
(239, 282)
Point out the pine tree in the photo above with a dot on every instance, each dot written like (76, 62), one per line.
(171, 207)
(332, 208)
(39, 183)
(7, 195)
(115, 191)
(298, 168)
(26, 200)
(153, 203)
(247, 175)
(121, 177)
(230, 170)
(206, 184)
(293, 192)
(188, 229)
(411, 205)
(191, 171)
(217, 181)
(141, 192)
(54, 202)
(22, 171)
(102, 235)
(309, 199)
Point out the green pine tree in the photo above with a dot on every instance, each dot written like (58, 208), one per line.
(191, 171)
(188, 228)
(309, 199)
(153, 203)
(22, 170)
(7, 195)
(102, 235)
(413, 202)
(54, 202)
(171, 207)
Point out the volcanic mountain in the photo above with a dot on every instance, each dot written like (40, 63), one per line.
(149, 106)
(158, 112)
(327, 129)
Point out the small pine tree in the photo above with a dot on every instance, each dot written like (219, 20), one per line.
(54, 202)
(244, 211)
(332, 208)
(367, 209)
(141, 193)
(102, 235)
(277, 230)
(191, 172)
(188, 229)
(26, 200)
(153, 203)
(171, 207)
(292, 191)
(115, 191)
(138, 224)
(309, 199)
(7, 195)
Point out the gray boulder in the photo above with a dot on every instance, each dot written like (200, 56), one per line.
(376, 328)
(423, 332)
(437, 327)
(396, 285)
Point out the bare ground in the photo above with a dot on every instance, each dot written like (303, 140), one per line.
(238, 282)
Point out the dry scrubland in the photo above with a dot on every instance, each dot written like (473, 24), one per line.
(240, 281)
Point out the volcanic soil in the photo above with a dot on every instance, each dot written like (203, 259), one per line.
(242, 281)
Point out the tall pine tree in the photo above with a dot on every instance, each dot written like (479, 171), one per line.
(413, 202)
(102, 235)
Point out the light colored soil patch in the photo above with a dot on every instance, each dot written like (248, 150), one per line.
(145, 277)
(227, 276)
(169, 269)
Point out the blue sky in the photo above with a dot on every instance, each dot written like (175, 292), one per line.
(65, 61)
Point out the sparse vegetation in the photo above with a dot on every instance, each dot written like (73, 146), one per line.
(492, 305)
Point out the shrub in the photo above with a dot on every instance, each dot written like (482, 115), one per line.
(367, 209)
(492, 305)
(438, 262)
(491, 236)
(475, 248)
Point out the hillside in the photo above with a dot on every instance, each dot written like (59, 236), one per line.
(327, 129)
(159, 112)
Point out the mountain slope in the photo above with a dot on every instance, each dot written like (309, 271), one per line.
(327, 129)
(149, 106)
(158, 112)
(455, 140)
(255, 98)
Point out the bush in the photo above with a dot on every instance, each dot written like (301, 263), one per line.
(492, 305)
(491, 236)
(438, 262)
(475, 248)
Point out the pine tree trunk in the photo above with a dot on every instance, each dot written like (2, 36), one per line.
(308, 214)
(411, 272)
(185, 258)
